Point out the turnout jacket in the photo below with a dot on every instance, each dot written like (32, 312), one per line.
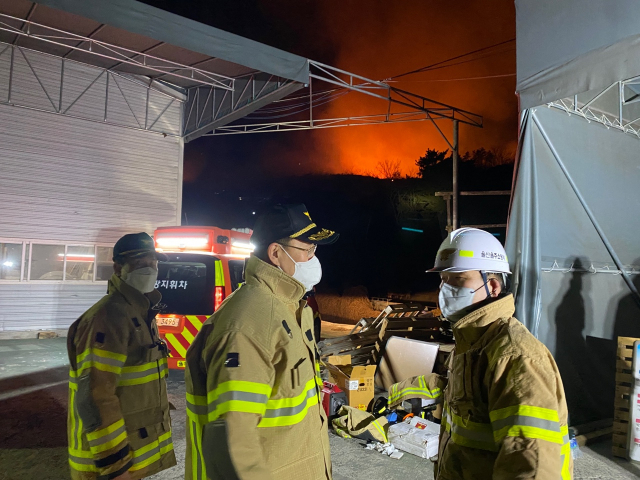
(253, 386)
(118, 416)
(504, 409)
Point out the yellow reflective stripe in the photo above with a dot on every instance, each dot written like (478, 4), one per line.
(197, 458)
(101, 353)
(141, 368)
(80, 453)
(195, 321)
(151, 453)
(188, 336)
(72, 418)
(467, 433)
(239, 386)
(292, 410)
(435, 393)
(466, 253)
(230, 396)
(381, 430)
(105, 431)
(528, 410)
(565, 453)
(99, 366)
(175, 343)
(81, 460)
(528, 432)
(110, 444)
(285, 421)
(291, 401)
(135, 376)
(82, 467)
(526, 421)
(219, 274)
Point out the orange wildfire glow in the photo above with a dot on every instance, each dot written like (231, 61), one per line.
(379, 39)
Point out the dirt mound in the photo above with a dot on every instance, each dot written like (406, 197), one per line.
(348, 308)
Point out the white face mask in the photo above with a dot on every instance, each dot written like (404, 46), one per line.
(142, 279)
(453, 299)
(308, 273)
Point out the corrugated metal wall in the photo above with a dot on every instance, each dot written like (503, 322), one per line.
(81, 160)
(45, 307)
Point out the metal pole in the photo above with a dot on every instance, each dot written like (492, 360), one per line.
(454, 156)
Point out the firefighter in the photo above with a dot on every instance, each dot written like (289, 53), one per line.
(118, 423)
(505, 413)
(253, 374)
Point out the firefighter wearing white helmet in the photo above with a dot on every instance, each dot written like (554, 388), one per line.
(504, 408)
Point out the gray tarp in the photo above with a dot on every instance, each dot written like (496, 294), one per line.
(166, 27)
(576, 312)
(571, 46)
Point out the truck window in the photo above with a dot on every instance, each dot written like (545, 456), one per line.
(185, 288)
(236, 273)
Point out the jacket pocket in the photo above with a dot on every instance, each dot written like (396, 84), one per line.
(297, 374)
(456, 379)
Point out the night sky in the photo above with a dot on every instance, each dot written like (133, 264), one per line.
(378, 40)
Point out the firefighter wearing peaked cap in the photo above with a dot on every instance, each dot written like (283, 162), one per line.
(252, 374)
(504, 409)
(118, 424)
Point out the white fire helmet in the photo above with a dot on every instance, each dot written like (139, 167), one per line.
(468, 249)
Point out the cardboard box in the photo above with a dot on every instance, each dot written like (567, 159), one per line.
(418, 437)
(405, 358)
(357, 382)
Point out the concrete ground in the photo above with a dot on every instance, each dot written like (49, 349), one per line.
(33, 403)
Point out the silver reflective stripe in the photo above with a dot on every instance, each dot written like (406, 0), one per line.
(93, 357)
(526, 421)
(108, 437)
(142, 374)
(227, 397)
(81, 460)
(290, 411)
(155, 450)
(565, 439)
(485, 436)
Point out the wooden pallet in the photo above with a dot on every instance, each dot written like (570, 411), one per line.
(624, 388)
(368, 338)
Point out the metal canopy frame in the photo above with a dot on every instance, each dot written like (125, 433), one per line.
(621, 93)
(418, 108)
(148, 64)
(103, 78)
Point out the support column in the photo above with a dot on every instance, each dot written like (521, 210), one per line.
(455, 190)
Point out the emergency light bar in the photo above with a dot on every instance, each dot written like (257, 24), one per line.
(191, 241)
(243, 245)
(209, 240)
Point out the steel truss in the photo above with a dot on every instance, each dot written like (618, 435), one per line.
(620, 94)
(419, 108)
(103, 79)
(150, 64)
(209, 108)
(309, 124)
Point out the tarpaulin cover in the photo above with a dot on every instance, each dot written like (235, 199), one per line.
(563, 293)
(572, 46)
(136, 17)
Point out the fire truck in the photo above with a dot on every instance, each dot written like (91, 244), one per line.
(204, 266)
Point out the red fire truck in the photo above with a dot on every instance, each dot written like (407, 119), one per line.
(205, 265)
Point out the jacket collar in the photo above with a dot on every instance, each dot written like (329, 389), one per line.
(283, 286)
(140, 301)
(471, 327)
